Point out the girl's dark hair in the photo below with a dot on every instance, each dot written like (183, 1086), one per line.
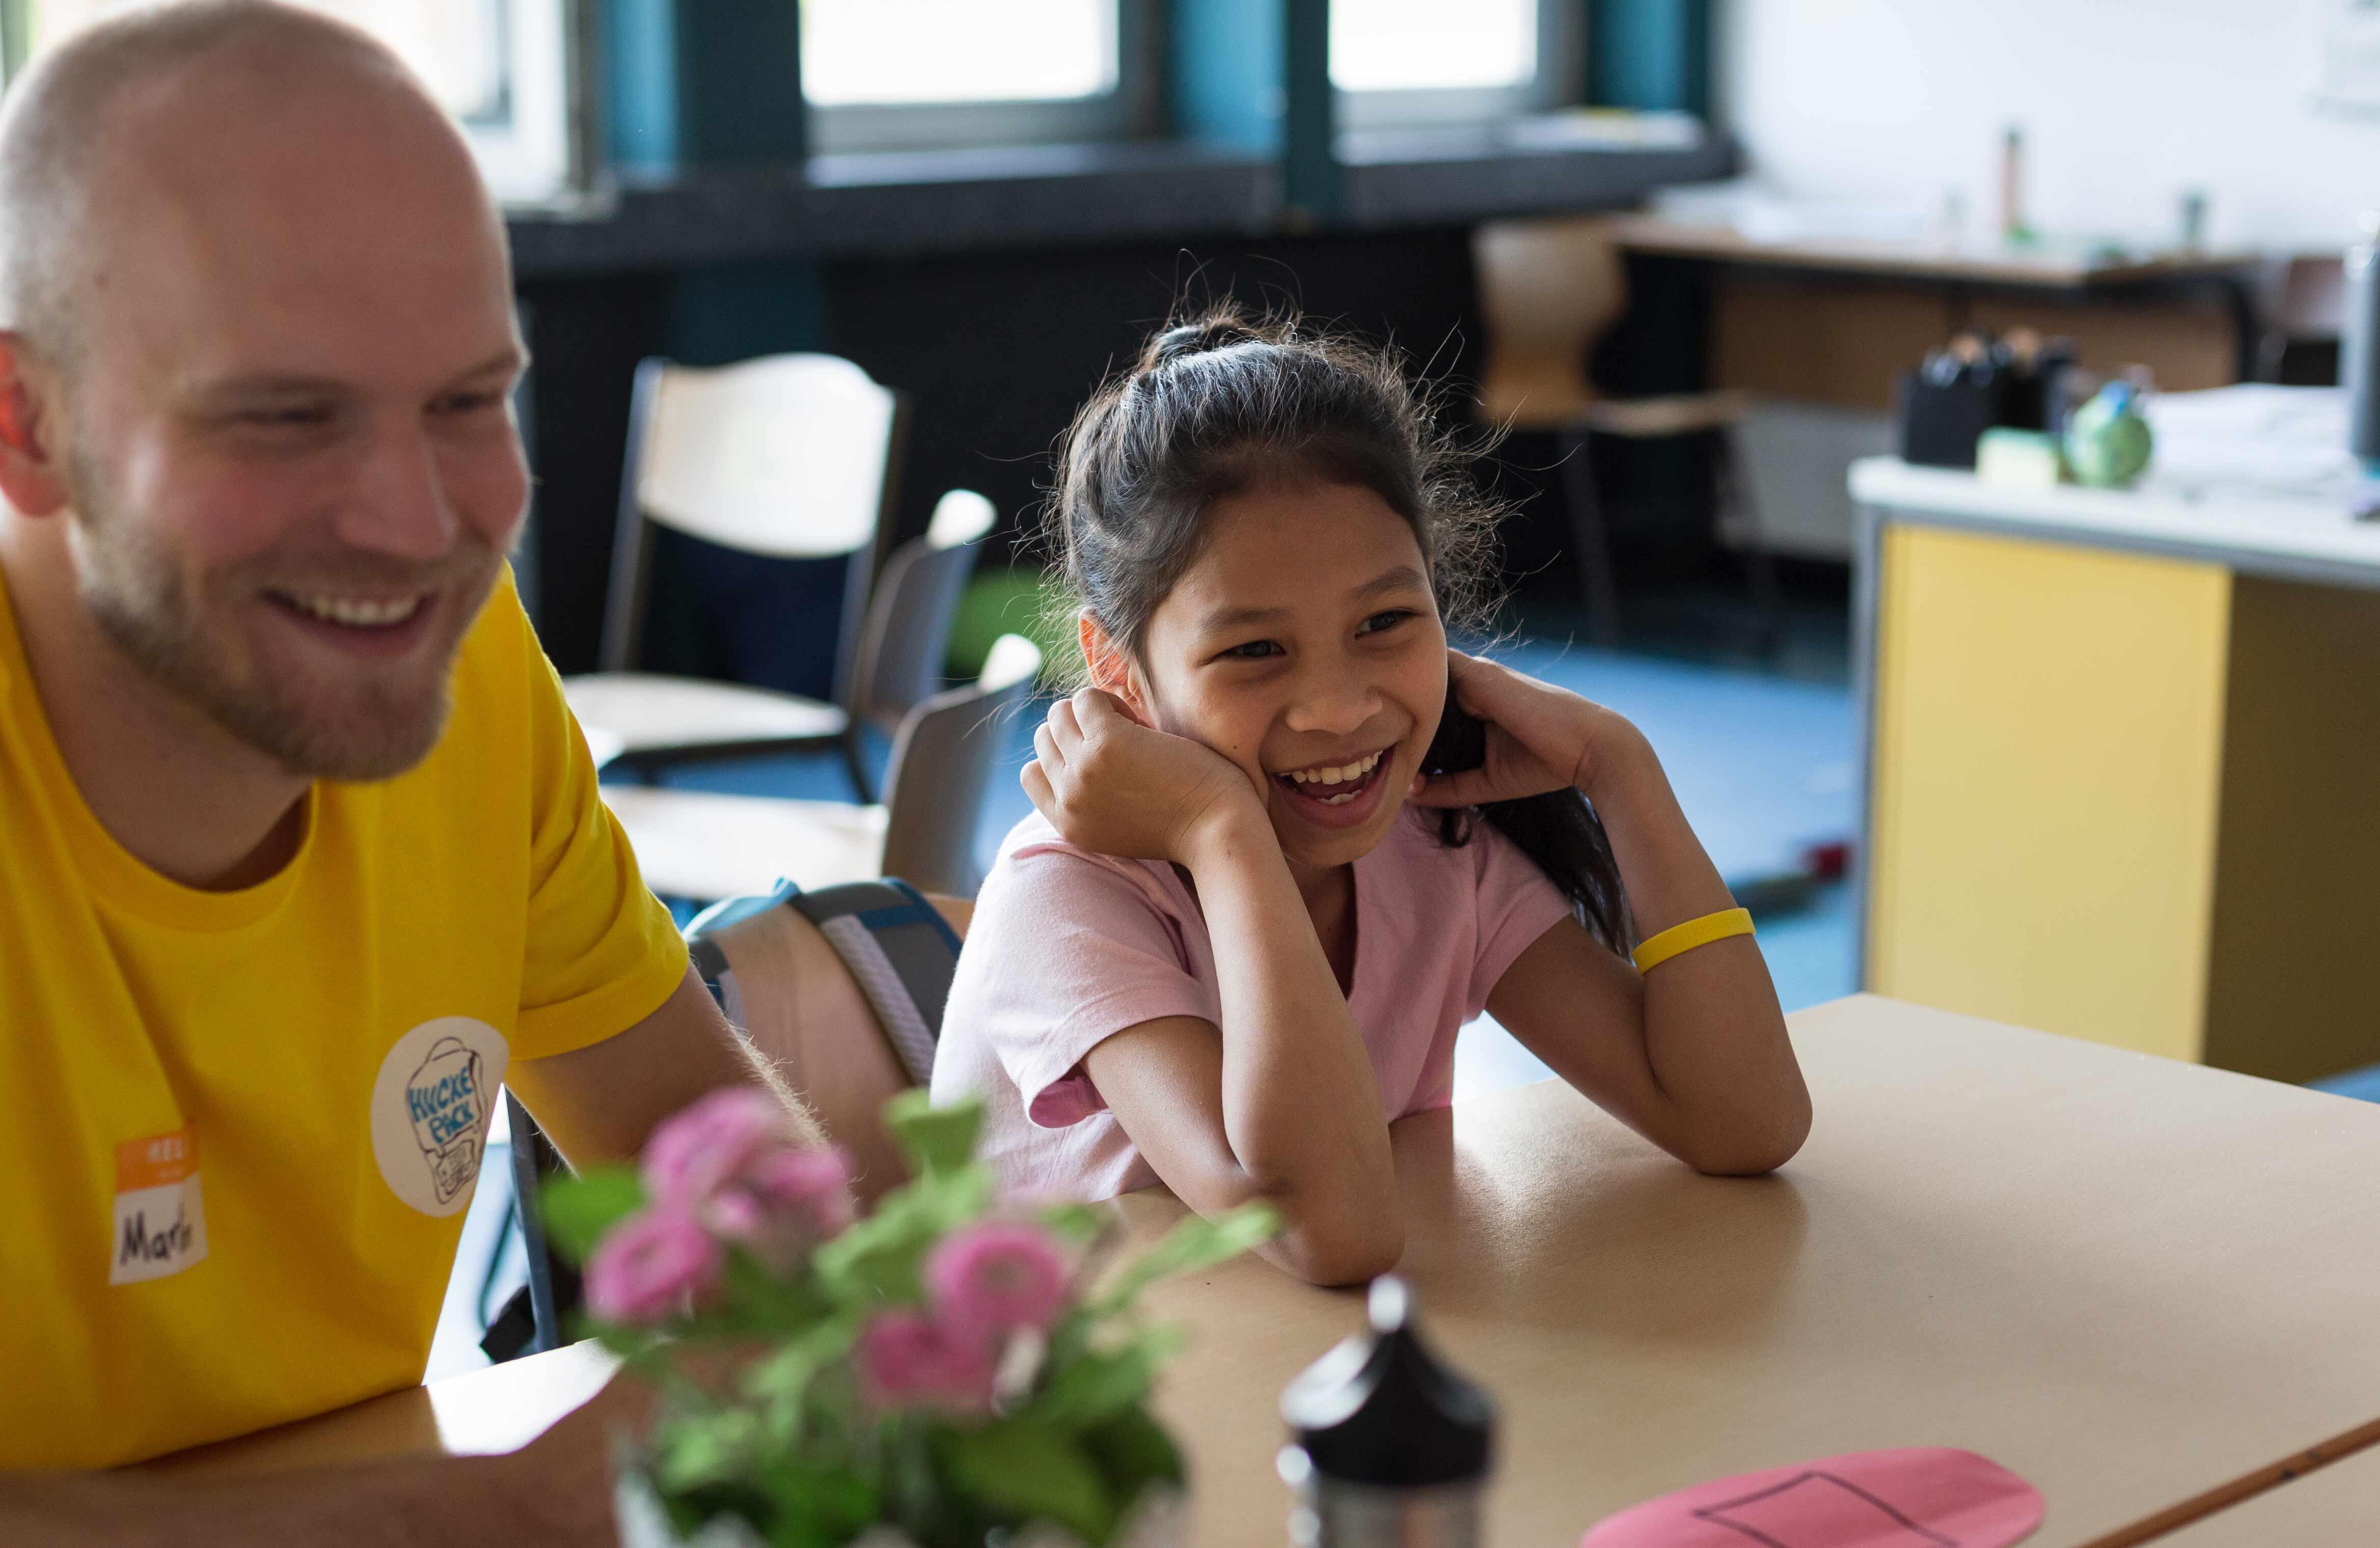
(1220, 404)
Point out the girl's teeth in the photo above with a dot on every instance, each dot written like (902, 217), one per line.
(1336, 776)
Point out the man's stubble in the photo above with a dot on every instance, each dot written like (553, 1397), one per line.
(372, 727)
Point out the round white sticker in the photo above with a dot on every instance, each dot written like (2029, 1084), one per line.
(430, 1109)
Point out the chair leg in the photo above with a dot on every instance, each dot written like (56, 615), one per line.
(1760, 570)
(1590, 546)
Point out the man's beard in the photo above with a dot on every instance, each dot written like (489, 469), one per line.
(366, 728)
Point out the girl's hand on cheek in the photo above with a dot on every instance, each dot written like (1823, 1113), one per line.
(1539, 738)
(1110, 784)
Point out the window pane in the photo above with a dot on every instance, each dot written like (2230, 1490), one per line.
(500, 67)
(1408, 45)
(457, 46)
(873, 52)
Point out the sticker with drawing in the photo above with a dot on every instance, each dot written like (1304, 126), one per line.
(431, 1108)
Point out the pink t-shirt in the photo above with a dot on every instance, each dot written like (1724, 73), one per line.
(1069, 948)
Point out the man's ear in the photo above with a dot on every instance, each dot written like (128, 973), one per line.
(30, 474)
(1111, 668)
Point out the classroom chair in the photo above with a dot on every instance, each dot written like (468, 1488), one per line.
(789, 456)
(2301, 300)
(701, 845)
(1549, 290)
(841, 990)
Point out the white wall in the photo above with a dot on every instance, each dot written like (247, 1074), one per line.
(2124, 103)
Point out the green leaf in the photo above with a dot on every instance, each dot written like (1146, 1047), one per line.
(579, 1210)
(934, 1138)
(1076, 1223)
(786, 1373)
(1193, 1244)
(1131, 1451)
(1034, 1470)
(714, 1449)
(877, 1259)
(1093, 1386)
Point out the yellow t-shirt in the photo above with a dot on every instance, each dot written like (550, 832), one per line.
(238, 1129)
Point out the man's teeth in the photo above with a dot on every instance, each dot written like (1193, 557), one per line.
(1329, 775)
(355, 613)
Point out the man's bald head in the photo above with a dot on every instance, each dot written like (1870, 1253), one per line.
(89, 116)
(259, 354)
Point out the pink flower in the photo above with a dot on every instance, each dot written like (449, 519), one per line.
(995, 1277)
(811, 1181)
(649, 1266)
(694, 1153)
(908, 1359)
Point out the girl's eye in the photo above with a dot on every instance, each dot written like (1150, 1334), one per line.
(1380, 622)
(1254, 650)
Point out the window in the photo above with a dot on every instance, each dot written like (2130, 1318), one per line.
(502, 68)
(886, 74)
(1424, 61)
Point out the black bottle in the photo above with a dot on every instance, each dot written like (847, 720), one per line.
(1390, 1447)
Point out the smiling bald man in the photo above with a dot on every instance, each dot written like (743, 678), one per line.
(303, 854)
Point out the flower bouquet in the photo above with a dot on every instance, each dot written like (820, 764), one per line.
(951, 1370)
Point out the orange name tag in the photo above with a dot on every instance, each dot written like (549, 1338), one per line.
(161, 1221)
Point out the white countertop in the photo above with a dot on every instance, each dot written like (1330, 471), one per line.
(2254, 477)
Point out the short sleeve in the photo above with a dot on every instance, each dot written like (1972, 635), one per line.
(1069, 949)
(601, 953)
(1517, 903)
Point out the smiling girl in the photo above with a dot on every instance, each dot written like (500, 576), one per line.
(1274, 868)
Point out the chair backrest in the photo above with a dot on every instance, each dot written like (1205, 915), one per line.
(909, 616)
(789, 456)
(1548, 289)
(942, 766)
(811, 981)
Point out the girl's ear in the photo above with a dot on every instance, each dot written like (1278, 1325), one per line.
(1110, 668)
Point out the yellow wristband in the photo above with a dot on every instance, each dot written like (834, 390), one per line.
(1678, 938)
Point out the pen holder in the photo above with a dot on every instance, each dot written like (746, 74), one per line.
(1940, 422)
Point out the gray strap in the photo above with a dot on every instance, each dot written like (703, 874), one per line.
(897, 1009)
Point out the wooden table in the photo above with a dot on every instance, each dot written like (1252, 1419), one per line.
(2126, 1277)
(2334, 1507)
(2048, 266)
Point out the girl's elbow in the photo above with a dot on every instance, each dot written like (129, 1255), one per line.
(1753, 1149)
(1341, 1255)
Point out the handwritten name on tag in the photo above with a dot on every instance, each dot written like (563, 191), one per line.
(160, 1221)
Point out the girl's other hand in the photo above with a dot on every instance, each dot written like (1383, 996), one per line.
(1110, 784)
(1539, 738)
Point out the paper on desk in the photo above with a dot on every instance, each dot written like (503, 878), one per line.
(2256, 441)
(1913, 1497)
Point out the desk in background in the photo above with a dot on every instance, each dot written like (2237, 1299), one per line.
(2126, 1278)
(1817, 327)
(2122, 744)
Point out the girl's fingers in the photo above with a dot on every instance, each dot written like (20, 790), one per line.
(1037, 786)
(1046, 753)
(1469, 788)
(1060, 724)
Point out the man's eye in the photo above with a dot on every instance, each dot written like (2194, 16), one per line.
(1254, 650)
(300, 417)
(1381, 621)
(469, 403)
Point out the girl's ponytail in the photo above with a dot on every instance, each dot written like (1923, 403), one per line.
(1559, 831)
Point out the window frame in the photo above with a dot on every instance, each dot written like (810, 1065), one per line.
(1560, 82)
(542, 153)
(1131, 111)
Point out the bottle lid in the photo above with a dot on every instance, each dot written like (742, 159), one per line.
(1381, 1409)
